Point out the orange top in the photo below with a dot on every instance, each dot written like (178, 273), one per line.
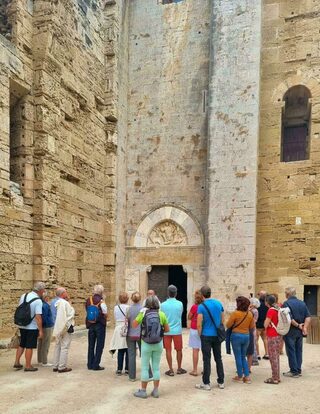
(236, 317)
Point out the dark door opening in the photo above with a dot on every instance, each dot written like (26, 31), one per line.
(311, 299)
(178, 277)
(161, 277)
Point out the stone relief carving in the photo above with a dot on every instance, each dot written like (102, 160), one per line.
(132, 281)
(167, 233)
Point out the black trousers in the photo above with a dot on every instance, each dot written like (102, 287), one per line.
(96, 339)
(209, 343)
(123, 356)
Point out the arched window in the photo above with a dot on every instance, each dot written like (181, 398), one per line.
(296, 124)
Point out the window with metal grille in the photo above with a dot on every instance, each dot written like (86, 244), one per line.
(296, 124)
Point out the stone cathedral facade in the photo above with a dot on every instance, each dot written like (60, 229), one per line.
(148, 142)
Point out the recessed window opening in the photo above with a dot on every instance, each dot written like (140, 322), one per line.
(296, 117)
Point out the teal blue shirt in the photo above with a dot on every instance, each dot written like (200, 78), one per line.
(173, 309)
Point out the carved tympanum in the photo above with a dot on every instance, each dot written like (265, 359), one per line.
(167, 233)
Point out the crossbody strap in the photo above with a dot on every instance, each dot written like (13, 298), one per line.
(211, 317)
(122, 312)
(236, 326)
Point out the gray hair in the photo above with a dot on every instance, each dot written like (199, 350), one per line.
(152, 302)
(39, 286)
(172, 291)
(290, 291)
(255, 302)
(98, 290)
(60, 291)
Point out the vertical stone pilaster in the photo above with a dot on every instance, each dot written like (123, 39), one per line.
(233, 146)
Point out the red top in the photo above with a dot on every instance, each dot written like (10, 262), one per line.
(273, 315)
(194, 312)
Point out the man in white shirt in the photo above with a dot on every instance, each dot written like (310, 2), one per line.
(62, 331)
(31, 332)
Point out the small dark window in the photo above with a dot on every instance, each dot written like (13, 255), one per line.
(296, 124)
(170, 1)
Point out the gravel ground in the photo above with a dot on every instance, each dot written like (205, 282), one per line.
(89, 392)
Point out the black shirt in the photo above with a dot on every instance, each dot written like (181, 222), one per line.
(262, 310)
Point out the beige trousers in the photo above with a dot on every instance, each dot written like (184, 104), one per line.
(60, 358)
(44, 345)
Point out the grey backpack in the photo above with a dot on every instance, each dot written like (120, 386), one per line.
(151, 329)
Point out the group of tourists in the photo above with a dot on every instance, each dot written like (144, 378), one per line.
(151, 326)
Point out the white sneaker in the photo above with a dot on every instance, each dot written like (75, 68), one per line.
(203, 386)
(47, 365)
(221, 386)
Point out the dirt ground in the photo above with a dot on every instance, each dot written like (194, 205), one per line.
(89, 392)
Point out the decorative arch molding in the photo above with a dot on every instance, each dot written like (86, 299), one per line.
(168, 226)
(309, 82)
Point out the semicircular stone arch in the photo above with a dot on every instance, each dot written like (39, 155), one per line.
(168, 226)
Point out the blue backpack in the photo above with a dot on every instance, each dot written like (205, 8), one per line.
(93, 311)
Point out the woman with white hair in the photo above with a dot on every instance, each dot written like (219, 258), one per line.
(96, 322)
(252, 356)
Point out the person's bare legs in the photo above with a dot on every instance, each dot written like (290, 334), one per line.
(257, 342)
(169, 358)
(28, 355)
(19, 354)
(265, 342)
(195, 360)
(179, 359)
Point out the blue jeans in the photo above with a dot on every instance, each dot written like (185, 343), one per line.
(240, 343)
(96, 339)
(294, 352)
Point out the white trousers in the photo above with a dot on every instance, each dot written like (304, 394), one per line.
(60, 358)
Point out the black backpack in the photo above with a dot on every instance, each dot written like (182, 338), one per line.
(151, 329)
(22, 315)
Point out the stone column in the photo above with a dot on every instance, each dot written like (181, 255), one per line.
(233, 146)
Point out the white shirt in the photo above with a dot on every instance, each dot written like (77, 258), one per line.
(36, 309)
(118, 315)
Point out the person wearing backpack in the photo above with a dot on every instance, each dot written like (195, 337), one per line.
(96, 321)
(154, 324)
(28, 318)
(273, 338)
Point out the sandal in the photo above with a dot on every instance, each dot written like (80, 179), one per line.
(271, 381)
(181, 371)
(169, 373)
(18, 366)
(194, 374)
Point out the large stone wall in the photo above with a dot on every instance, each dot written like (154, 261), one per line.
(167, 123)
(60, 229)
(233, 146)
(288, 229)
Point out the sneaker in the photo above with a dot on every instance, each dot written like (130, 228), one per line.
(47, 365)
(133, 379)
(203, 386)
(155, 393)
(118, 372)
(247, 380)
(221, 386)
(141, 394)
(291, 374)
(259, 358)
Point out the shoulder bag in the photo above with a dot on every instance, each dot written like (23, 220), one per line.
(124, 328)
(221, 332)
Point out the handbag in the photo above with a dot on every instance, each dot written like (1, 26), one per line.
(124, 328)
(221, 331)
